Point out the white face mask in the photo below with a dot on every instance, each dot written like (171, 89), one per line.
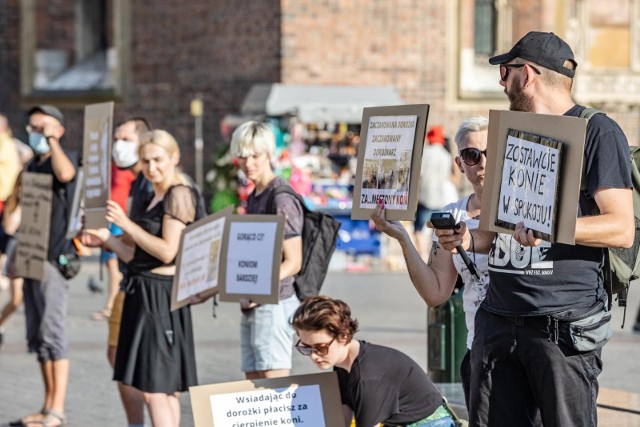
(39, 143)
(125, 153)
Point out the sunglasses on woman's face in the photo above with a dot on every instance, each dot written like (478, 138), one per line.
(471, 156)
(319, 349)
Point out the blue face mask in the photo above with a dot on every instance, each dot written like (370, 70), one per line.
(38, 143)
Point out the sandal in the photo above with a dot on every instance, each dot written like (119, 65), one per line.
(26, 419)
(51, 419)
(103, 314)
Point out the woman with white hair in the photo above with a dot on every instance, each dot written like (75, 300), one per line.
(436, 279)
(266, 335)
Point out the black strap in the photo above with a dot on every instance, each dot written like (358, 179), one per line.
(271, 208)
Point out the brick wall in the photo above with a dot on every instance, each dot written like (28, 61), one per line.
(218, 49)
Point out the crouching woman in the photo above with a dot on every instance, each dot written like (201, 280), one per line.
(377, 384)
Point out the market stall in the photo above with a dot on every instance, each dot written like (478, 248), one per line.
(317, 129)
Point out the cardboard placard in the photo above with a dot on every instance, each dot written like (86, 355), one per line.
(250, 265)
(310, 400)
(563, 182)
(389, 161)
(32, 248)
(77, 212)
(96, 162)
(198, 262)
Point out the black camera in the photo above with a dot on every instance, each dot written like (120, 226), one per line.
(443, 221)
(446, 221)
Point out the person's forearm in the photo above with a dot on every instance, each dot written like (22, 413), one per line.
(434, 285)
(604, 231)
(62, 167)
(288, 268)
(124, 252)
(157, 247)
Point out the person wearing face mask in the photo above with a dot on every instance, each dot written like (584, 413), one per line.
(124, 170)
(45, 300)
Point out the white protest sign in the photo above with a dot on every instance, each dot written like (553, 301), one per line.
(311, 400)
(250, 267)
(386, 168)
(294, 405)
(200, 258)
(249, 258)
(528, 190)
(198, 262)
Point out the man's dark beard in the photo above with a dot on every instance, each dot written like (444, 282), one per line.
(519, 101)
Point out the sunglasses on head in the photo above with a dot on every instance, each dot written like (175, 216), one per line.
(471, 156)
(504, 70)
(319, 349)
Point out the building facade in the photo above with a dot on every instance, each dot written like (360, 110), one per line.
(153, 58)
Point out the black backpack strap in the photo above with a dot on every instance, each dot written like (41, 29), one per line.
(271, 208)
(587, 113)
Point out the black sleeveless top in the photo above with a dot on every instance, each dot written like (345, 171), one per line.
(180, 202)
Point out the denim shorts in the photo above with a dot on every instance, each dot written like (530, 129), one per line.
(266, 336)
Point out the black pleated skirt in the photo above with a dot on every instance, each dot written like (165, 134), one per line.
(156, 353)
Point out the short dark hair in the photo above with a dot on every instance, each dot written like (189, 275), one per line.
(141, 124)
(324, 313)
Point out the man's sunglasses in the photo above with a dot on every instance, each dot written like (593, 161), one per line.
(471, 156)
(319, 349)
(504, 70)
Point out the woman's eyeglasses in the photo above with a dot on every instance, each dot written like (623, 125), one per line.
(319, 349)
(471, 156)
(504, 70)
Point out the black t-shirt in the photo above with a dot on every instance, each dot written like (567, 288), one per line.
(61, 202)
(386, 385)
(180, 202)
(551, 278)
(286, 205)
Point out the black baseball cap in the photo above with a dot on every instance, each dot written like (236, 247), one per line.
(545, 49)
(48, 110)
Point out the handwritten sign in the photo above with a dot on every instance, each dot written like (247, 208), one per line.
(309, 400)
(198, 263)
(529, 185)
(274, 407)
(387, 168)
(96, 162)
(33, 235)
(571, 131)
(252, 259)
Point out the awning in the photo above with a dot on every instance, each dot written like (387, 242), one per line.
(317, 103)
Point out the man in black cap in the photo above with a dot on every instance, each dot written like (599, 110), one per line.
(45, 301)
(527, 357)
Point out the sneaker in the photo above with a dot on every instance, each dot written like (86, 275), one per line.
(636, 329)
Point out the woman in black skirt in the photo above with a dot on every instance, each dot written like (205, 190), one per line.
(155, 347)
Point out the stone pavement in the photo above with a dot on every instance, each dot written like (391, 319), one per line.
(385, 303)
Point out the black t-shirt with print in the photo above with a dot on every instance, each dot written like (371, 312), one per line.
(551, 278)
(386, 385)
